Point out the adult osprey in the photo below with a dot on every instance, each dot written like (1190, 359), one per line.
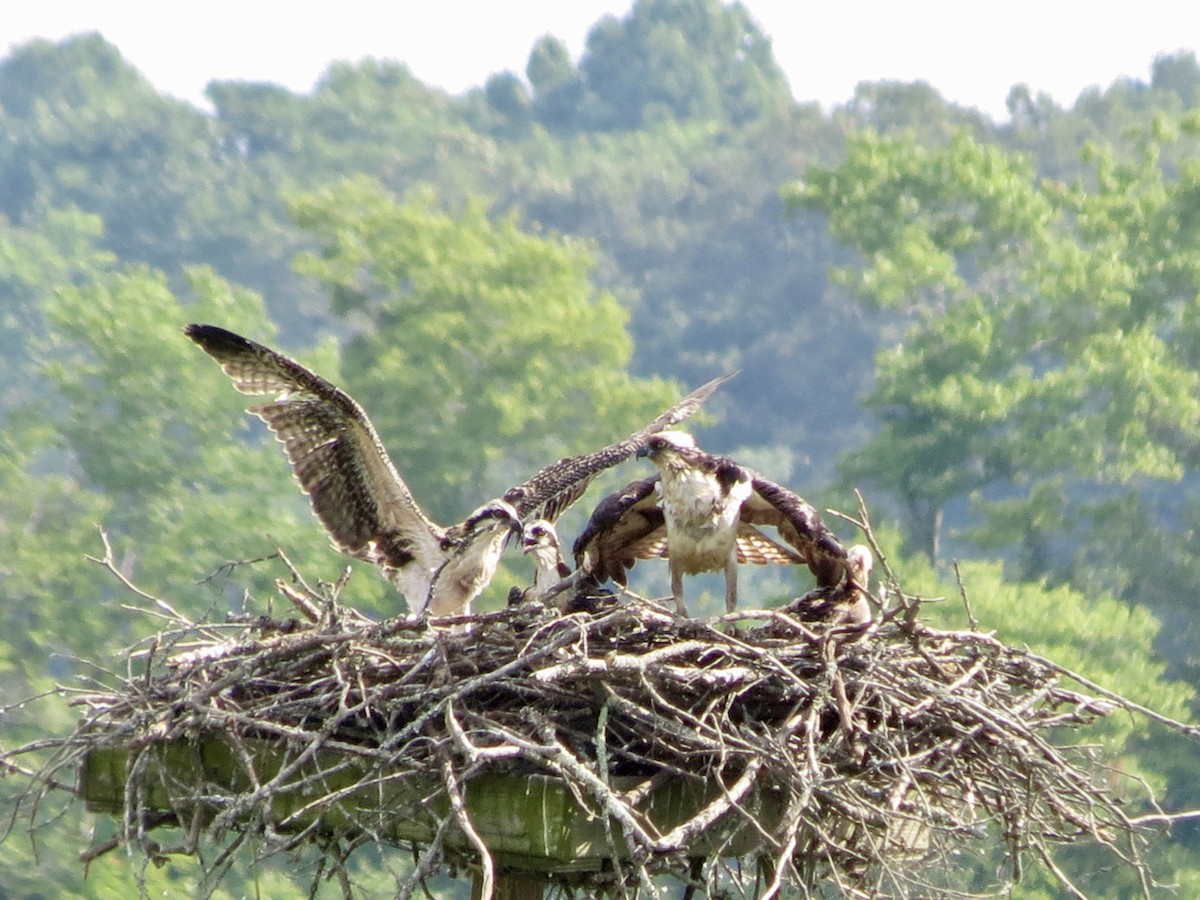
(364, 504)
(702, 512)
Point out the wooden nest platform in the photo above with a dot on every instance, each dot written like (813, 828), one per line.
(603, 749)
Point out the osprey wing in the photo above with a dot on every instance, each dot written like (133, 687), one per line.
(561, 483)
(626, 526)
(799, 525)
(755, 547)
(335, 454)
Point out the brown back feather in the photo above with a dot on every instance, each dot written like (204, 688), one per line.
(625, 526)
(629, 525)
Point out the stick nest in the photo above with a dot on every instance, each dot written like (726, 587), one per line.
(811, 755)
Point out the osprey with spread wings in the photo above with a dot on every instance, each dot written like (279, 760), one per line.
(703, 512)
(364, 504)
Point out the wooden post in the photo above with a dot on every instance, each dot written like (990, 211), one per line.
(513, 886)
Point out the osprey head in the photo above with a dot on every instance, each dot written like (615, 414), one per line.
(859, 562)
(494, 512)
(665, 442)
(538, 534)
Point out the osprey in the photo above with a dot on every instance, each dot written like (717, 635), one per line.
(364, 504)
(540, 538)
(844, 603)
(702, 512)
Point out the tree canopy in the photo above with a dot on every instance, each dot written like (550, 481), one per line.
(1005, 354)
(1049, 375)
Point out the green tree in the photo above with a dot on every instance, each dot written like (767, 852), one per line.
(557, 87)
(142, 451)
(83, 128)
(1178, 73)
(121, 428)
(1052, 358)
(907, 107)
(680, 59)
(498, 339)
(481, 352)
(507, 95)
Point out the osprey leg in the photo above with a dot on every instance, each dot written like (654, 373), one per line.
(677, 589)
(731, 573)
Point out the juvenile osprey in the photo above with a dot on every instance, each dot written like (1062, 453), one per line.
(702, 512)
(540, 538)
(844, 603)
(363, 502)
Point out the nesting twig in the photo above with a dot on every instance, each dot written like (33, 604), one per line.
(840, 755)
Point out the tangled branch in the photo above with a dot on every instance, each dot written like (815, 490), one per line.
(825, 755)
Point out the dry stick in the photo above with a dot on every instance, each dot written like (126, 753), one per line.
(1063, 880)
(679, 836)
(459, 806)
(473, 684)
(279, 781)
(1192, 731)
(307, 608)
(908, 606)
(620, 662)
(473, 752)
(109, 563)
(297, 577)
(427, 861)
(651, 672)
(565, 763)
(34, 775)
(794, 818)
(962, 592)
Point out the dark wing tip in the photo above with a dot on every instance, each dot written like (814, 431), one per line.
(703, 392)
(706, 390)
(686, 407)
(560, 484)
(215, 340)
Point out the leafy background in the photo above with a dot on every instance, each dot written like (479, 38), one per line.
(992, 329)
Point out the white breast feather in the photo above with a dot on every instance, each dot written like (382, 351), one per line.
(413, 582)
(702, 522)
(465, 575)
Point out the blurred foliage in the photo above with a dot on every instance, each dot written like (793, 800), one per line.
(1050, 371)
(540, 265)
(1107, 642)
(480, 350)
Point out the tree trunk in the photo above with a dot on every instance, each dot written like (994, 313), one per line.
(924, 526)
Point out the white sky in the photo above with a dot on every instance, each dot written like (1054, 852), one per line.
(971, 52)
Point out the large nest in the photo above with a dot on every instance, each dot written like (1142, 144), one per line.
(605, 747)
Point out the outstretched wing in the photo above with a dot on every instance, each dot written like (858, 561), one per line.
(625, 526)
(560, 484)
(335, 454)
(629, 525)
(756, 548)
(799, 525)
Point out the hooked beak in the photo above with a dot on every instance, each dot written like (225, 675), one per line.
(642, 451)
(514, 528)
